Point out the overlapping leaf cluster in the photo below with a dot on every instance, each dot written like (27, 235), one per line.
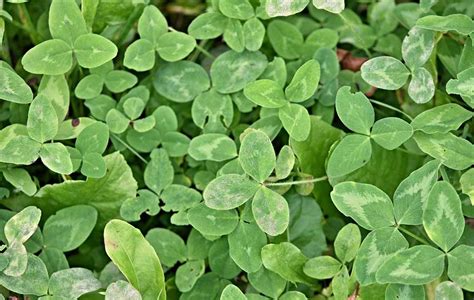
(237, 149)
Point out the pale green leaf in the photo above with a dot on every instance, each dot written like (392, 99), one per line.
(285, 38)
(159, 172)
(33, 282)
(208, 25)
(257, 156)
(442, 217)
(270, 211)
(276, 8)
(421, 88)
(78, 221)
(94, 138)
(20, 179)
(369, 206)
(304, 82)
(285, 162)
(448, 290)
(73, 283)
(463, 84)
(42, 121)
(93, 165)
(417, 265)
(188, 273)
(460, 261)
(93, 50)
(333, 6)
(229, 191)
(467, 184)
(13, 88)
(140, 55)
(441, 119)
(174, 46)
(410, 196)
(462, 24)
(391, 132)
(296, 121)
(267, 282)
(66, 21)
(340, 164)
(231, 292)
(56, 157)
(118, 81)
(245, 245)
(212, 146)
(121, 290)
(89, 87)
(417, 47)
(254, 34)
(169, 246)
(135, 258)
(213, 222)
(404, 291)
(52, 57)
(266, 93)
(236, 9)
(354, 110)
(116, 121)
(20, 227)
(322, 267)
(385, 72)
(152, 24)
(347, 242)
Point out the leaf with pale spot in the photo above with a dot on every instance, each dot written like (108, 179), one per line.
(270, 211)
(441, 119)
(391, 133)
(229, 191)
(212, 146)
(296, 121)
(122, 290)
(266, 93)
(354, 110)
(13, 88)
(304, 82)
(417, 47)
(213, 222)
(404, 291)
(421, 88)
(73, 283)
(460, 262)
(385, 72)
(332, 6)
(276, 8)
(257, 156)
(369, 206)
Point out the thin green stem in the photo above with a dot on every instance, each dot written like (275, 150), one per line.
(28, 25)
(392, 108)
(296, 182)
(416, 237)
(129, 148)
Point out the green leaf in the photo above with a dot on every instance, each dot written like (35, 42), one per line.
(236, 9)
(256, 155)
(385, 72)
(16, 257)
(140, 55)
(462, 24)
(403, 291)
(188, 273)
(52, 57)
(136, 259)
(20, 227)
(133, 107)
(56, 157)
(391, 132)
(66, 21)
(232, 71)
(454, 152)
(33, 282)
(462, 85)
(122, 290)
(304, 82)
(322, 267)
(296, 121)
(116, 121)
(441, 119)
(93, 50)
(286, 260)
(174, 46)
(333, 6)
(178, 197)
(347, 243)
(229, 191)
(340, 284)
(208, 25)
(89, 87)
(467, 184)
(93, 165)
(94, 138)
(78, 221)
(416, 266)
(285, 162)
(42, 121)
(212, 146)
(377, 247)
(20, 179)
(152, 24)
(73, 283)
(266, 93)
(286, 39)
(410, 197)
(340, 164)
(13, 88)
(231, 292)
(417, 47)
(369, 206)
(448, 290)
(181, 81)
(234, 35)
(460, 261)
(442, 217)
(20, 150)
(159, 172)
(146, 201)
(245, 245)
(267, 282)
(220, 261)
(421, 88)
(57, 90)
(106, 194)
(254, 34)
(270, 211)
(354, 110)
(276, 8)
(169, 246)
(118, 81)
(212, 222)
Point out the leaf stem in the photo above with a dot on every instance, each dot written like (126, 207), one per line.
(416, 237)
(296, 182)
(129, 148)
(392, 108)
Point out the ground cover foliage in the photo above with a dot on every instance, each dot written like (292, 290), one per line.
(236, 149)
